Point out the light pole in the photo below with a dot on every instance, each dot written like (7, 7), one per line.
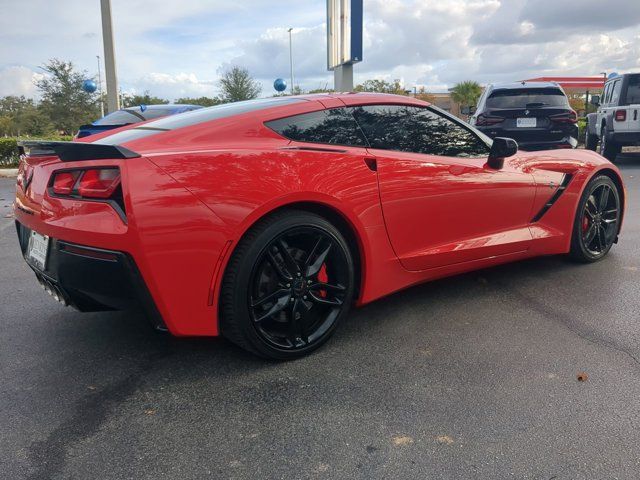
(100, 88)
(291, 58)
(111, 77)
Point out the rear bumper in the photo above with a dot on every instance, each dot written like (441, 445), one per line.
(537, 139)
(626, 138)
(92, 279)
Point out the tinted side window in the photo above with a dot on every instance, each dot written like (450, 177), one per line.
(419, 130)
(633, 90)
(615, 92)
(335, 126)
(605, 95)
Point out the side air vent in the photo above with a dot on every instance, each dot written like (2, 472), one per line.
(566, 179)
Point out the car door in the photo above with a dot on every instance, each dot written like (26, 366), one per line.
(441, 203)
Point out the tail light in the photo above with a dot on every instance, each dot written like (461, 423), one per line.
(89, 183)
(98, 183)
(485, 120)
(566, 117)
(621, 115)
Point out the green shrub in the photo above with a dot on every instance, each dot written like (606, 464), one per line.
(8, 153)
(9, 157)
(582, 128)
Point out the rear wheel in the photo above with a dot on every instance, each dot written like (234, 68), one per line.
(288, 286)
(609, 149)
(597, 220)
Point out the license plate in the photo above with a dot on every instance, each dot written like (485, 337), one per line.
(526, 122)
(37, 250)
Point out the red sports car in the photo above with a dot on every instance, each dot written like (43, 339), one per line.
(265, 220)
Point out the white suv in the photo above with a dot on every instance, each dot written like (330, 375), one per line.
(617, 122)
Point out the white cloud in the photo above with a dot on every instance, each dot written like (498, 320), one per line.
(180, 48)
(18, 80)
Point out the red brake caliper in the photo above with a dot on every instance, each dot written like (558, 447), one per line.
(585, 223)
(324, 278)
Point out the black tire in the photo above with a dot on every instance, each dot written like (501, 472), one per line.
(597, 220)
(608, 148)
(590, 140)
(288, 285)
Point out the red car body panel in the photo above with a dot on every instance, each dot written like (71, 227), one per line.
(195, 191)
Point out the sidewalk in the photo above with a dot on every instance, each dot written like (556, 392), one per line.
(8, 172)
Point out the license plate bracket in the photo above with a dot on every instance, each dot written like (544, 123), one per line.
(530, 122)
(38, 250)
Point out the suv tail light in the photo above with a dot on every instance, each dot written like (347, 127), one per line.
(621, 115)
(484, 120)
(566, 117)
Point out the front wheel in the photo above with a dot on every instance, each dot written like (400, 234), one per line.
(289, 284)
(597, 220)
(590, 140)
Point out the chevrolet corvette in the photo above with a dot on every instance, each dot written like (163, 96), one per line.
(266, 220)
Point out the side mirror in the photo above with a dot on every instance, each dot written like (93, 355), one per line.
(595, 100)
(472, 109)
(502, 148)
(468, 110)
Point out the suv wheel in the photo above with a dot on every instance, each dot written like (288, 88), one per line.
(608, 148)
(590, 140)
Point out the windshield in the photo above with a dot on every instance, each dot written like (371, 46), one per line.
(527, 97)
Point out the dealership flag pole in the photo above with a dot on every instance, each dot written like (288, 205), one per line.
(113, 103)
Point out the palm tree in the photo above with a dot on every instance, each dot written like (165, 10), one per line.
(466, 93)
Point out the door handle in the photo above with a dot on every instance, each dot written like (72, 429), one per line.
(371, 163)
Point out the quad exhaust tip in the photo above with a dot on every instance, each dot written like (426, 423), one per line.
(52, 290)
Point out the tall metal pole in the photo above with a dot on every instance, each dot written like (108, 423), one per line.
(291, 58)
(100, 88)
(113, 102)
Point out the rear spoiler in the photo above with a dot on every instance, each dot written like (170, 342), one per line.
(74, 151)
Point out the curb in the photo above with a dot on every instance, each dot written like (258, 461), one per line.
(8, 172)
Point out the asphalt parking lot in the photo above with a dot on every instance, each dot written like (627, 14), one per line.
(469, 377)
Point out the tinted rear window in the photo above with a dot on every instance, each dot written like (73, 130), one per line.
(532, 97)
(633, 90)
(194, 117)
(121, 117)
(336, 126)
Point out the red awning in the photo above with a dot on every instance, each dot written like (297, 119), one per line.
(574, 83)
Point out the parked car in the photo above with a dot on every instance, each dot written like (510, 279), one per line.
(131, 115)
(616, 124)
(266, 220)
(535, 114)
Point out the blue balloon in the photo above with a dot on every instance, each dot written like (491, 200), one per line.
(89, 86)
(280, 85)
(612, 75)
(143, 107)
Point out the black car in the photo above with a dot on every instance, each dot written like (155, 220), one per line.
(535, 114)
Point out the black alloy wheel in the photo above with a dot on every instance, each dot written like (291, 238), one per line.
(597, 220)
(289, 285)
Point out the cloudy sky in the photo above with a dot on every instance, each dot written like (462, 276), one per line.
(179, 48)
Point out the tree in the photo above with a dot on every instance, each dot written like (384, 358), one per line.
(381, 86)
(466, 93)
(237, 85)
(204, 101)
(63, 100)
(424, 96)
(20, 116)
(129, 100)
